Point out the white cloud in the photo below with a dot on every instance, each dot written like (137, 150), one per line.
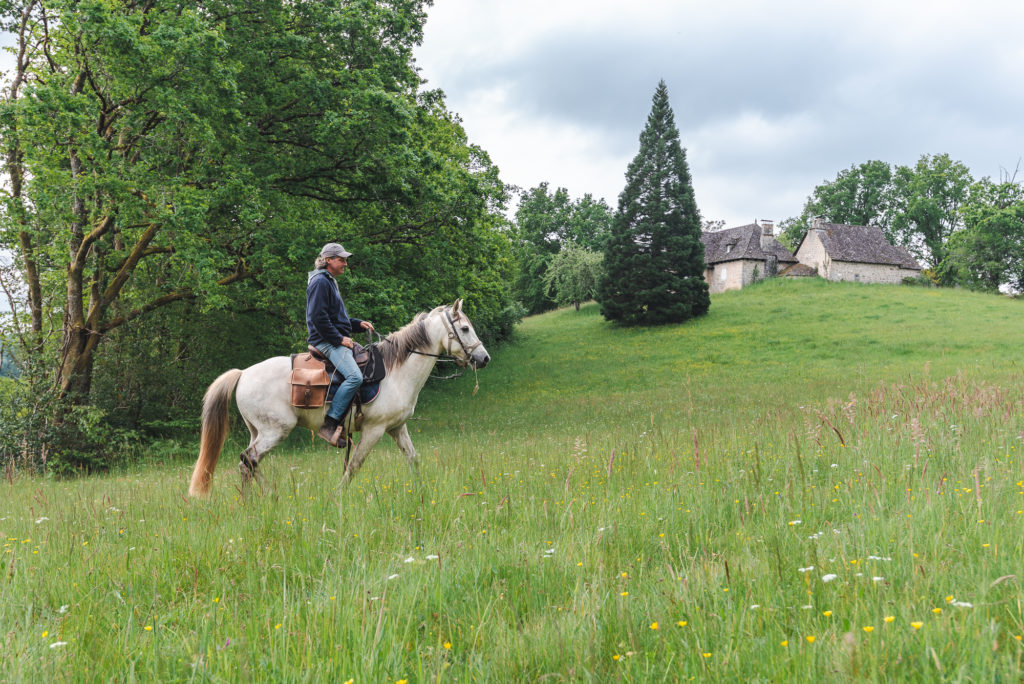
(770, 99)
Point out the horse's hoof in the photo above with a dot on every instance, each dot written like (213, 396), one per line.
(246, 467)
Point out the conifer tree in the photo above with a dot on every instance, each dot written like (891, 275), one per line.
(654, 259)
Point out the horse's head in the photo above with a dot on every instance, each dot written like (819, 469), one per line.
(463, 343)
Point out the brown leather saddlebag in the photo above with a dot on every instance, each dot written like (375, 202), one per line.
(309, 381)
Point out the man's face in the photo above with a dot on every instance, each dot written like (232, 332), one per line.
(336, 265)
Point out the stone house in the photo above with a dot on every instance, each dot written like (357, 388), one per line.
(734, 256)
(861, 253)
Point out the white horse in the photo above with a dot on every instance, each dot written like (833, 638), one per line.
(264, 396)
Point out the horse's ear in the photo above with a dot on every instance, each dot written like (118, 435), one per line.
(457, 307)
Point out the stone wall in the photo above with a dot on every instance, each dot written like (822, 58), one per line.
(868, 273)
(732, 275)
(812, 253)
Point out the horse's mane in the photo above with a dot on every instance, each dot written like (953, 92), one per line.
(396, 347)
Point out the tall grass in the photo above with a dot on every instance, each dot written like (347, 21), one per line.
(815, 480)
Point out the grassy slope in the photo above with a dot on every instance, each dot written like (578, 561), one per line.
(611, 503)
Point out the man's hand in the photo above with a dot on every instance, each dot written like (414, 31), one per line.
(347, 342)
(367, 325)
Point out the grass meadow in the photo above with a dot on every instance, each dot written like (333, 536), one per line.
(815, 481)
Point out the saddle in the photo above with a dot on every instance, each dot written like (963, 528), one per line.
(312, 373)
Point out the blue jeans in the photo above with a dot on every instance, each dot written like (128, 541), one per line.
(345, 364)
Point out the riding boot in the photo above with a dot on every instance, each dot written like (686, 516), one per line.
(333, 432)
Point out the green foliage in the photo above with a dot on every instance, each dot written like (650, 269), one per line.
(654, 259)
(988, 252)
(585, 502)
(927, 203)
(547, 223)
(8, 368)
(40, 433)
(573, 275)
(859, 196)
(195, 159)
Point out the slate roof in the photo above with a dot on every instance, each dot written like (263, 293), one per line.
(746, 244)
(861, 244)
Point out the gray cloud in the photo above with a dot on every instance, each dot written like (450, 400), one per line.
(769, 101)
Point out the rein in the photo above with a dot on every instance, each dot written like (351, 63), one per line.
(448, 357)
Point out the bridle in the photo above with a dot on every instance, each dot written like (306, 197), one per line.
(453, 336)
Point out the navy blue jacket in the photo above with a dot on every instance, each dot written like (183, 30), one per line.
(326, 317)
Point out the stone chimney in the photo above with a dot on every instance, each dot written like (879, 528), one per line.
(817, 223)
(766, 234)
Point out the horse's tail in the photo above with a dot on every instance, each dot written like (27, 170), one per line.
(216, 403)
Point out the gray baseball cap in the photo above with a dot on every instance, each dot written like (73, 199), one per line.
(333, 249)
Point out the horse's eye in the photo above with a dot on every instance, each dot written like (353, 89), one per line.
(465, 328)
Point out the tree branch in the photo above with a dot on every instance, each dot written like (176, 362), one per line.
(241, 274)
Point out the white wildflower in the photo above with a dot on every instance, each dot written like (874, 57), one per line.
(829, 577)
(391, 577)
(410, 559)
(794, 522)
(755, 606)
(877, 579)
(58, 644)
(807, 569)
(63, 609)
(962, 604)
(879, 558)
(41, 520)
(432, 556)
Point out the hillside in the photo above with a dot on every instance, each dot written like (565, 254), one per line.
(815, 482)
(772, 348)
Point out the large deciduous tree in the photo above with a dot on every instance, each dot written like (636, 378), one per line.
(549, 222)
(988, 252)
(160, 154)
(858, 196)
(573, 275)
(926, 205)
(654, 259)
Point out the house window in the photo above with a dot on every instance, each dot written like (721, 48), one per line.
(722, 277)
(728, 248)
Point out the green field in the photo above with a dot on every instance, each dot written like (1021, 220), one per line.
(818, 481)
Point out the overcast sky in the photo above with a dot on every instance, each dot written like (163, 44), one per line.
(770, 98)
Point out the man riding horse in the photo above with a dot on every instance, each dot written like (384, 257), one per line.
(330, 330)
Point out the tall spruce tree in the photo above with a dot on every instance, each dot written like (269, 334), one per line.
(654, 259)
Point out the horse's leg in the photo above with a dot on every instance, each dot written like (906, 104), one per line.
(369, 437)
(247, 461)
(268, 438)
(404, 442)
